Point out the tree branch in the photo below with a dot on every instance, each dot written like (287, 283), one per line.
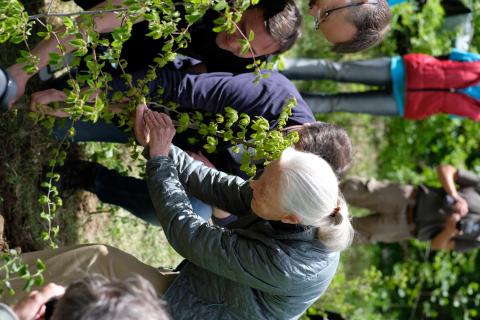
(79, 13)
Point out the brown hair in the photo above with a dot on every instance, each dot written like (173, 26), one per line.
(282, 20)
(330, 142)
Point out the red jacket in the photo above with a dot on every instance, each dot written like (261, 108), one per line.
(431, 87)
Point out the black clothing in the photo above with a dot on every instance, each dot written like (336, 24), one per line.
(433, 207)
(140, 50)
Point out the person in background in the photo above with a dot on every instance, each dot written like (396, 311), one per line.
(414, 86)
(91, 297)
(351, 25)
(448, 217)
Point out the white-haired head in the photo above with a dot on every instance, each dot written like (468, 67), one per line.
(308, 188)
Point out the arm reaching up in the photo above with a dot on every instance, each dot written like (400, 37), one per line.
(161, 130)
(447, 175)
(104, 23)
(214, 187)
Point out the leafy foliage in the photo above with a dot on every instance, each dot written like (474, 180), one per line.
(415, 147)
(14, 268)
(252, 136)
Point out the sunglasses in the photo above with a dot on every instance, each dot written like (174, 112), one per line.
(322, 15)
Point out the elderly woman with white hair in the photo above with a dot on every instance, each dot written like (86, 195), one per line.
(272, 267)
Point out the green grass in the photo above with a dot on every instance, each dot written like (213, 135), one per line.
(121, 230)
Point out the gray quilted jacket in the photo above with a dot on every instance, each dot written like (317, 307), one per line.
(267, 270)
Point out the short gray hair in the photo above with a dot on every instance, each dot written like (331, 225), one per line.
(98, 298)
(309, 189)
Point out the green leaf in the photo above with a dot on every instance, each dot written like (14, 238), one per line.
(77, 43)
(194, 16)
(68, 22)
(45, 236)
(183, 122)
(43, 199)
(167, 47)
(40, 265)
(29, 284)
(251, 36)
(221, 5)
(39, 280)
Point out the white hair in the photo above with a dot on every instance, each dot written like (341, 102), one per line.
(309, 189)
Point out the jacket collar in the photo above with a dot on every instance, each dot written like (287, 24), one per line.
(275, 229)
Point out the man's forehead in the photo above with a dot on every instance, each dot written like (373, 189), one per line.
(337, 28)
(263, 41)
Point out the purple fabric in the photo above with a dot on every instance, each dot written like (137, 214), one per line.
(222, 222)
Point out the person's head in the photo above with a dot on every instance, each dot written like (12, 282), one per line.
(96, 297)
(275, 24)
(301, 188)
(328, 141)
(351, 25)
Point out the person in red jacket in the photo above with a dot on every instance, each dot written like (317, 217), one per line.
(414, 86)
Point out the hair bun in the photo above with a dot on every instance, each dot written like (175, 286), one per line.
(336, 215)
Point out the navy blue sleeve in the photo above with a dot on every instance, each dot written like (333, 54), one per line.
(213, 92)
(165, 85)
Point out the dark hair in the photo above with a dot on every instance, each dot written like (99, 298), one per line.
(371, 21)
(330, 142)
(96, 297)
(282, 20)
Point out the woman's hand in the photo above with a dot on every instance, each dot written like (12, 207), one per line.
(139, 126)
(161, 131)
(39, 102)
(33, 306)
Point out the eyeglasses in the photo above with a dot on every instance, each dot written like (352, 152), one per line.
(323, 15)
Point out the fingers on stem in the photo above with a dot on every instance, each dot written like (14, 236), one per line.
(157, 119)
(46, 97)
(149, 119)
